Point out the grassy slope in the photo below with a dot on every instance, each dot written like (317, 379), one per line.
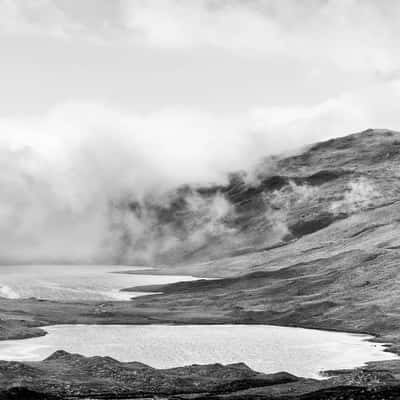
(344, 276)
(327, 183)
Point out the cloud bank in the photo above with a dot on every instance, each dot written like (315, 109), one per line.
(63, 173)
(66, 174)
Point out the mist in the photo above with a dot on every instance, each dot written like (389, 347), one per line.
(69, 177)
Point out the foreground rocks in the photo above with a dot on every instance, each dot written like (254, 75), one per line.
(72, 376)
(65, 375)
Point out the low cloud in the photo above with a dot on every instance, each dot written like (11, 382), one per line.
(360, 195)
(168, 228)
(71, 176)
(63, 174)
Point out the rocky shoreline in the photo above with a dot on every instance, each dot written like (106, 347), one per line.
(66, 376)
(72, 376)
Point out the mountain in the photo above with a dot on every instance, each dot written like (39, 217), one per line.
(336, 267)
(311, 240)
(333, 265)
(282, 201)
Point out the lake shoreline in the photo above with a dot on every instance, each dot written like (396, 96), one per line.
(26, 318)
(338, 382)
(20, 329)
(264, 348)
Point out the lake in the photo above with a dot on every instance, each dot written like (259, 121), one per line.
(265, 348)
(303, 352)
(75, 282)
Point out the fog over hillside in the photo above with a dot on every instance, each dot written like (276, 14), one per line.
(84, 183)
(190, 189)
(105, 116)
(84, 195)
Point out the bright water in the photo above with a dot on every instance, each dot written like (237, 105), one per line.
(74, 282)
(265, 348)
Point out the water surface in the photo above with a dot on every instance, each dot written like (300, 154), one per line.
(303, 352)
(75, 282)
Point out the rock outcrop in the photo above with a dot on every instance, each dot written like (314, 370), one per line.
(64, 375)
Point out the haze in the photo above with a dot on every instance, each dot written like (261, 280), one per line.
(103, 101)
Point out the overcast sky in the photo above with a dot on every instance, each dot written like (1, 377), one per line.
(101, 96)
(218, 55)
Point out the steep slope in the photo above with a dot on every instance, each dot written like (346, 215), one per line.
(313, 242)
(335, 267)
(283, 200)
(341, 275)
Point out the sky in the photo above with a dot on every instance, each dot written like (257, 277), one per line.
(225, 56)
(103, 99)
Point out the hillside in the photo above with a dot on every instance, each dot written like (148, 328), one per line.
(312, 241)
(283, 200)
(337, 266)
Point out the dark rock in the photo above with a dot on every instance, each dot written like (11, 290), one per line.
(68, 375)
